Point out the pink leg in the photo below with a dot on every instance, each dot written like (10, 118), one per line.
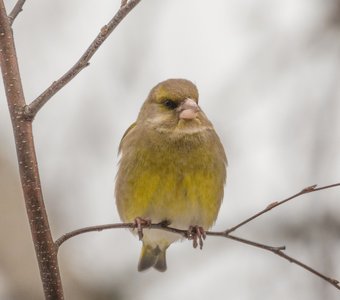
(141, 223)
(197, 235)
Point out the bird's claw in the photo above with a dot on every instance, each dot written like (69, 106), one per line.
(197, 235)
(140, 223)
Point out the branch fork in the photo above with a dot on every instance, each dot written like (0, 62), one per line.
(278, 250)
(22, 116)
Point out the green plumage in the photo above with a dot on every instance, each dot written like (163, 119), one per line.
(171, 169)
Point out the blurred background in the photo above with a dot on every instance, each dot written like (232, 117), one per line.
(268, 75)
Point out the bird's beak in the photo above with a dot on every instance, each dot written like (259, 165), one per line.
(188, 109)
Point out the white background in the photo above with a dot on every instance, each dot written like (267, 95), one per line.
(268, 76)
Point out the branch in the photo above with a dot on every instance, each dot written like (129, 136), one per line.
(32, 109)
(163, 226)
(276, 250)
(45, 250)
(123, 3)
(226, 234)
(307, 190)
(16, 10)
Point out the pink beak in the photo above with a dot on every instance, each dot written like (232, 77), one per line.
(188, 109)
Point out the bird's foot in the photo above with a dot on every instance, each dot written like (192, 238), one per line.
(197, 235)
(141, 223)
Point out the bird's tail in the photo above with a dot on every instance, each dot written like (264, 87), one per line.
(152, 257)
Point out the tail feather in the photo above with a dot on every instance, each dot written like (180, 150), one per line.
(152, 257)
(160, 264)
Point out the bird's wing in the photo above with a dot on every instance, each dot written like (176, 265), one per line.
(131, 127)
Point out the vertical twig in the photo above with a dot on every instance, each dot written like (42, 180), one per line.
(16, 10)
(45, 249)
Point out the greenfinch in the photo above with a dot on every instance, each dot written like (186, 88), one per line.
(172, 169)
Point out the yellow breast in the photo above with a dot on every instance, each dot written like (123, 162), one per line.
(180, 181)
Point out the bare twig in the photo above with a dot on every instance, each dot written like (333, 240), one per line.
(123, 3)
(76, 232)
(226, 234)
(332, 281)
(29, 173)
(276, 250)
(309, 189)
(161, 226)
(16, 10)
(32, 109)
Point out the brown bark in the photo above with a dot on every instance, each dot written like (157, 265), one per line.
(29, 174)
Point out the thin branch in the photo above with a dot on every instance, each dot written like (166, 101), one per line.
(309, 189)
(226, 234)
(332, 281)
(32, 109)
(161, 226)
(276, 250)
(79, 231)
(16, 10)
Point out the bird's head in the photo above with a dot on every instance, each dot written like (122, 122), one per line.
(173, 105)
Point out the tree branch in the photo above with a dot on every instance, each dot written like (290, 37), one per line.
(163, 226)
(226, 234)
(307, 190)
(278, 251)
(16, 10)
(45, 249)
(32, 109)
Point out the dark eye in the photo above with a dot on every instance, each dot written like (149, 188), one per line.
(170, 104)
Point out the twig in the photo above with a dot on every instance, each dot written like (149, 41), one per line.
(332, 281)
(32, 109)
(45, 250)
(79, 231)
(226, 234)
(16, 10)
(123, 3)
(161, 226)
(309, 189)
(276, 250)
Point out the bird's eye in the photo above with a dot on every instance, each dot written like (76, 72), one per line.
(170, 104)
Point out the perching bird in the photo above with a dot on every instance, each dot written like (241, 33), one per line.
(172, 168)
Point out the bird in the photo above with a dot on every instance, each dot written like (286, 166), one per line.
(172, 169)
